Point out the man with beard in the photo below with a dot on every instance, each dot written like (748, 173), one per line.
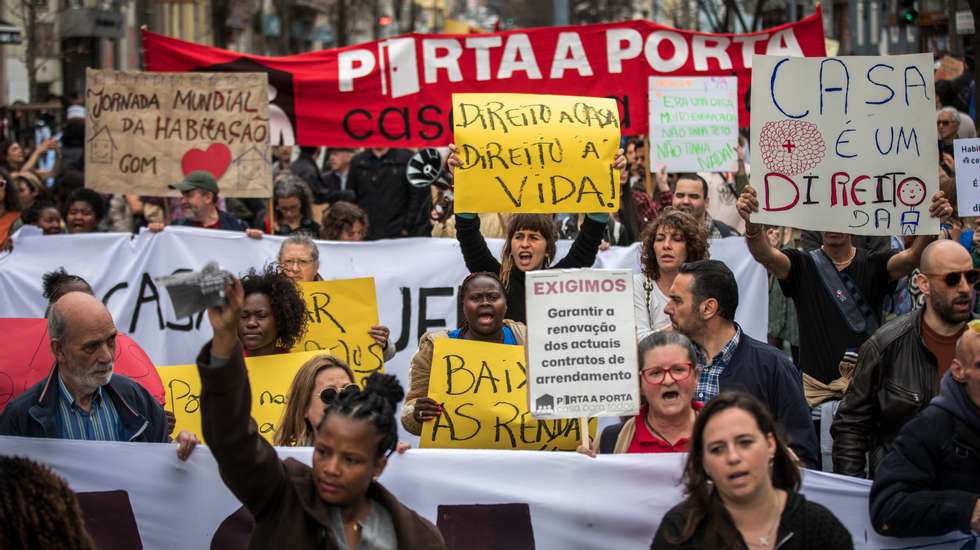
(900, 366)
(691, 196)
(701, 305)
(81, 398)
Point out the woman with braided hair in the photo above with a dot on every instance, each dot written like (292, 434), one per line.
(273, 315)
(38, 508)
(335, 504)
(484, 309)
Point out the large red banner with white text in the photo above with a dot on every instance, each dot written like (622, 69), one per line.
(396, 92)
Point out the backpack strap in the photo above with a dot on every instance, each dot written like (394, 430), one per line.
(845, 293)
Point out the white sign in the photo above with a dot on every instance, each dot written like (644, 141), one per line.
(845, 143)
(182, 505)
(966, 153)
(964, 22)
(581, 343)
(693, 123)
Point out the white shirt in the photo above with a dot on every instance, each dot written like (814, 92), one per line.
(649, 319)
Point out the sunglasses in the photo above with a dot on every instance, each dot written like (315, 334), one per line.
(329, 395)
(657, 375)
(944, 122)
(953, 279)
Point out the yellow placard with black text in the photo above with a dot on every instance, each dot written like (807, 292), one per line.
(339, 314)
(483, 391)
(535, 153)
(269, 377)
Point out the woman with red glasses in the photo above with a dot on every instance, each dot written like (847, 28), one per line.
(668, 376)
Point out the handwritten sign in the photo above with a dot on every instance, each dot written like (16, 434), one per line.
(536, 153)
(582, 343)
(483, 389)
(693, 123)
(144, 131)
(845, 143)
(966, 153)
(339, 314)
(269, 377)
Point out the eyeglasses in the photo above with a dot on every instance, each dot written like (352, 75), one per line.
(944, 122)
(329, 395)
(657, 375)
(953, 279)
(295, 263)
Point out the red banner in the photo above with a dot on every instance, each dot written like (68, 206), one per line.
(396, 92)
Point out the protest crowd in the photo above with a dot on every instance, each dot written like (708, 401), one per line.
(870, 368)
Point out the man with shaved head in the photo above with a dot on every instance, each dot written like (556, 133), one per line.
(81, 398)
(929, 484)
(900, 366)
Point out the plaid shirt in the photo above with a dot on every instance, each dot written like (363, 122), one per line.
(708, 385)
(100, 423)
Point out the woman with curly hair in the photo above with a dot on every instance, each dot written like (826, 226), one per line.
(274, 314)
(673, 239)
(294, 214)
(38, 508)
(344, 221)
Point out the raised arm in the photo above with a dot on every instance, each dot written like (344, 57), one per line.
(769, 256)
(247, 462)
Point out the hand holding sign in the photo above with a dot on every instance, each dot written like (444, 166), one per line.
(535, 153)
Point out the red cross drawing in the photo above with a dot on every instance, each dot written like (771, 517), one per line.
(789, 146)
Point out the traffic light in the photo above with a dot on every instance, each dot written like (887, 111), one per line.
(907, 14)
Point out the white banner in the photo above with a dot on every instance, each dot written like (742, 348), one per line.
(417, 280)
(582, 343)
(569, 501)
(845, 143)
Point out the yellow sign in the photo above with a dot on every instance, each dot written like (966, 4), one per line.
(483, 391)
(269, 377)
(340, 313)
(535, 153)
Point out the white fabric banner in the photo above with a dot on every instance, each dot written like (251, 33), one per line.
(571, 501)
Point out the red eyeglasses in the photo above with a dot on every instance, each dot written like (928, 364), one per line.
(657, 375)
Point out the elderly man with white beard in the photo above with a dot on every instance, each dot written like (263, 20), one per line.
(81, 398)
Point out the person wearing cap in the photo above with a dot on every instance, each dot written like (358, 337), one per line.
(199, 201)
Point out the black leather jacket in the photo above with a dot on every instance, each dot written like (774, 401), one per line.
(896, 376)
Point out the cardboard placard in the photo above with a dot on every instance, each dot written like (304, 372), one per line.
(693, 123)
(339, 314)
(845, 144)
(536, 153)
(582, 343)
(483, 390)
(145, 131)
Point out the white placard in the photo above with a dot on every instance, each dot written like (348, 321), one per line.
(966, 153)
(845, 143)
(581, 343)
(693, 123)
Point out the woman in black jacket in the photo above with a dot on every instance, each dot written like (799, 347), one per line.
(529, 246)
(742, 485)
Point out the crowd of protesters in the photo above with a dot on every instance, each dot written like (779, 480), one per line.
(884, 384)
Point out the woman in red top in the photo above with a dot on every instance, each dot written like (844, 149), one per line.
(668, 376)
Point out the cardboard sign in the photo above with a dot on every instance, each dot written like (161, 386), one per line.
(536, 153)
(693, 123)
(269, 377)
(966, 153)
(144, 131)
(483, 390)
(582, 343)
(845, 143)
(339, 314)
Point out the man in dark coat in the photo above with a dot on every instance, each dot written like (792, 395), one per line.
(377, 178)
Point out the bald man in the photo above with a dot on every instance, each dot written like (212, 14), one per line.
(81, 398)
(900, 366)
(929, 484)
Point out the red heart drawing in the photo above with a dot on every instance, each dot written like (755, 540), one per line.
(215, 160)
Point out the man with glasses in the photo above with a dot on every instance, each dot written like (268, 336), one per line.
(947, 124)
(701, 305)
(900, 366)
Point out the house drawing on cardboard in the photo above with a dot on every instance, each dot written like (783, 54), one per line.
(101, 146)
(543, 404)
(251, 166)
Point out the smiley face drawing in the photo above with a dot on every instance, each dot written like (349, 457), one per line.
(912, 192)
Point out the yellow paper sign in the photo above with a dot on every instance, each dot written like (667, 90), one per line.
(483, 390)
(339, 314)
(535, 153)
(269, 377)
